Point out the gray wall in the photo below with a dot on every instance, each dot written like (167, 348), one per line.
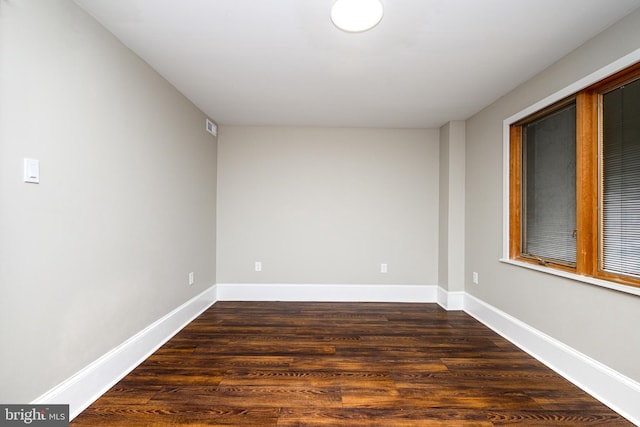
(451, 205)
(599, 322)
(125, 209)
(318, 205)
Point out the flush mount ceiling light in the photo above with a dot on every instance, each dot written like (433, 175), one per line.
(355, 16)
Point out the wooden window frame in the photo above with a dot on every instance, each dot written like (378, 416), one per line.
(588, 180)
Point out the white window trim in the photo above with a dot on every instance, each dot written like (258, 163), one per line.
(573, 88)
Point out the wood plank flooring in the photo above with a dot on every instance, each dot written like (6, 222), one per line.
(341, 364)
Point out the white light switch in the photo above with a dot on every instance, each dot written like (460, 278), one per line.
(32, 171)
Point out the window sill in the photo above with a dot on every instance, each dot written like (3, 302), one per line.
(572, 276)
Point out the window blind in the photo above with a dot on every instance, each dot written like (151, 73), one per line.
(620, 222)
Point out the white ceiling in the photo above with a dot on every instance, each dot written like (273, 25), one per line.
(282, 62)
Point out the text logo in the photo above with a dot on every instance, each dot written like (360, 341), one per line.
(34, 415)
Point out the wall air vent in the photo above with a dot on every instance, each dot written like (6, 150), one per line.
(212, 128)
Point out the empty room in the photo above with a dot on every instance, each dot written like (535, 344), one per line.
(286, 212)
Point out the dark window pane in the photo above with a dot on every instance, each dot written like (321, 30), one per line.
(549, 188)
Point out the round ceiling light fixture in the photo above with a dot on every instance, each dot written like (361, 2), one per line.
(356, 16)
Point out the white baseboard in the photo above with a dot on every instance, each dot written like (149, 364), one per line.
(450, 300)
(87, 385)
(327, 293)
(615, 390)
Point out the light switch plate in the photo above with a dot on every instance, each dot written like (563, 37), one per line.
(32, 171)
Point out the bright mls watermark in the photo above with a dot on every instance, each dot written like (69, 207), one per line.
(34, 415)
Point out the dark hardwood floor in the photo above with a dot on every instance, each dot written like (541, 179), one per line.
(335, 364)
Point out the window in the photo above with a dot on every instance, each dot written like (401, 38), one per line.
(549, 187)
(620, 225)
(575, 182)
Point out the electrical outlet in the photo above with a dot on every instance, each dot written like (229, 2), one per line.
(258, 266)
(383, 268)
(475, 278)
(191, 278)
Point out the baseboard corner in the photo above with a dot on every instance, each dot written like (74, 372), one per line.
(450, 301)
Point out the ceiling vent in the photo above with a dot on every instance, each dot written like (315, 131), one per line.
(212, 128)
